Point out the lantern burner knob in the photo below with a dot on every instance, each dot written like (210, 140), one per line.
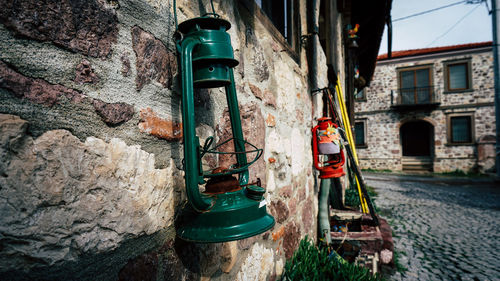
(255, 192)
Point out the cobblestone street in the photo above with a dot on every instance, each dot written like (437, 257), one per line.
(444, 228)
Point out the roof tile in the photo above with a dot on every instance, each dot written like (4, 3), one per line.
(416, 52)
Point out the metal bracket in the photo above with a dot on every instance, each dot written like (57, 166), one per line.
(304, 38)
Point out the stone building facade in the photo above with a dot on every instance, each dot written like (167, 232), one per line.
(429, 109)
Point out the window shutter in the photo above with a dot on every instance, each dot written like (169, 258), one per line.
(458, 76)
(461, 129)
(359, 131)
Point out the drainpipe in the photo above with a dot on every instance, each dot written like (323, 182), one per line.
(313, 45)
(313, 41)
(323, 211)
(389, 36)
(496, 66)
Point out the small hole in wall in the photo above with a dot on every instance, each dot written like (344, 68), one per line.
(211, 69)
(23, 209)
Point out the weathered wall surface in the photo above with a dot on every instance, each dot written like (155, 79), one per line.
(90, 142)
(384, 149)
(62, 198)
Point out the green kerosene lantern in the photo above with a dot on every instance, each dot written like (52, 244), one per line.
(229, 208)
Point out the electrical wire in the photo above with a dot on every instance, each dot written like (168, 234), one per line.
(453, 26)
(213, 13)
(429, 11)
(175, 16)
(488, 7)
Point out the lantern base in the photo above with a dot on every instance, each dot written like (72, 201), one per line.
(234, 216)
(330, 172)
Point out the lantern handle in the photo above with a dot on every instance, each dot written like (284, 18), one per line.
(193, 172)
(213, 13)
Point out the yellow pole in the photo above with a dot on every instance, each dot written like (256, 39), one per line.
(347, 125)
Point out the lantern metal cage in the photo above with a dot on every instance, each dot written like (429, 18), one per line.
(238, 210)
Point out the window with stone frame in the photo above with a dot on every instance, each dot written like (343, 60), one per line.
(460, 128)
(281, 18)
(360, 95)
(280, 13)
(457, 76)
(360, 133)
(415, 85)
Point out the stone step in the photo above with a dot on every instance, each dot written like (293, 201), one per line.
(417, 167)
(417, 163)
(416, 160)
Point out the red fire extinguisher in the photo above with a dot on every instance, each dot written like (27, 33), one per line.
(327, 151)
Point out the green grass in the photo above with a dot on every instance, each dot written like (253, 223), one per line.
(320, 264)
(371, 191)
(397, 263)
(352, 197)
(376, 171)
(460, 173)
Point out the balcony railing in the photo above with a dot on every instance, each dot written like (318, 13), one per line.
(416, 96)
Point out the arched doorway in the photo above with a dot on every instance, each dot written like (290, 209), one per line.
(417, 141)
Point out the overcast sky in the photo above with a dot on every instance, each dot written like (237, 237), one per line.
(459, 24)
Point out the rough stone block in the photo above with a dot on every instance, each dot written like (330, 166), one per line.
(258, 264)
(85, 73)
(307, 215)
(113, 113)
(229, 256)
(286, 191)
(254, 130)
(277, 235)
(165, 129)
(300, 115)
(12, 130)
(270, 120)
(144, 267)
(85, 26)
(125, 64)
(36, 90)
(42, 92)
(269, 99)
(153, 60)
(291, 239)
(279, 210)
(292, 205)
(79, 198)
(256, 91)
(245, 244)
(266, 96)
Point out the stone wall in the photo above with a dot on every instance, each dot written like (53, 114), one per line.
(91, 173)
(384, 150)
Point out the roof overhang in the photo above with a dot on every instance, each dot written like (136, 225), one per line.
(371, 17)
